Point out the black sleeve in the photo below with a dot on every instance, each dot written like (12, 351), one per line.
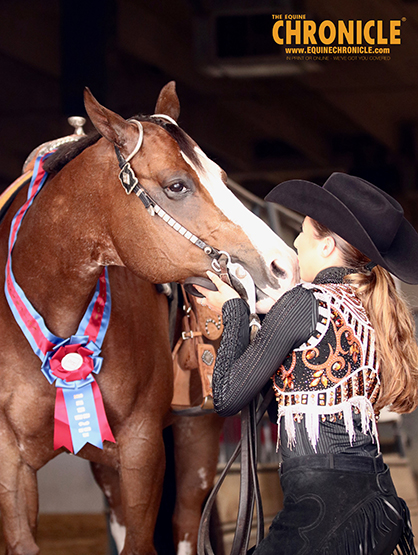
(242, 369)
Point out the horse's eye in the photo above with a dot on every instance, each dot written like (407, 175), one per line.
(177, 188)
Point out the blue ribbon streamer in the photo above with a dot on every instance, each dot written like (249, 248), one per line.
(82, 417)
(79, 390)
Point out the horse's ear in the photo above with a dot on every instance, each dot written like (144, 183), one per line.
(168, 101)
(109, 124)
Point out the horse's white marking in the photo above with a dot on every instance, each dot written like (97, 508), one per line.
(118, 532)
(203, 475)
(264, 240)
(107, 490)
(184, 547)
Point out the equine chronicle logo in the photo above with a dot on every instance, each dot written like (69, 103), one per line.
(350, 40)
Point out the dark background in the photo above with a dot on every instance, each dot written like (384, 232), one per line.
(262, 118)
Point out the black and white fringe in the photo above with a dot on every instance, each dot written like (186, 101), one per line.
(361, 534)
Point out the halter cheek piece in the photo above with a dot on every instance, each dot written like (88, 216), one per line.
(131, 185)
(221, 260)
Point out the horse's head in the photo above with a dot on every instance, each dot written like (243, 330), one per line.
(194, 213)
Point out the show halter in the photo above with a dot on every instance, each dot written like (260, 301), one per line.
(221, 259)
(131, 185)
(80, 416)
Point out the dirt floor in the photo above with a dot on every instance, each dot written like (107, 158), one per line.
(70, 534)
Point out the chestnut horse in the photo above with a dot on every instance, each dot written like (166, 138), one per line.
(82, 221)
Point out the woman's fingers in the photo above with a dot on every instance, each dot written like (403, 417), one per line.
(213, 303)
(223, 288)
(221, 285)
(216, 279)
(216, 299)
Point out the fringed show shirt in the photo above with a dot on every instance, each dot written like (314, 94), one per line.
(317, 347)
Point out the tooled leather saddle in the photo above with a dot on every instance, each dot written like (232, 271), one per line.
(194, 354)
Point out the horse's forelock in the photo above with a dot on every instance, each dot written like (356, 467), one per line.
(186, 145)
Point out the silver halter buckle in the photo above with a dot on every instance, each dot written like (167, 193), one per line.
(241, 275)
(128, 178)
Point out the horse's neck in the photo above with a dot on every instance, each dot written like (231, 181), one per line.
(57, 255)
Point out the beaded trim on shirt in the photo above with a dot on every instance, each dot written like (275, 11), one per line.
(334, 274)
(334, 372)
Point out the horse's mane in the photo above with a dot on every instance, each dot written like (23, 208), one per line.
(67, 152)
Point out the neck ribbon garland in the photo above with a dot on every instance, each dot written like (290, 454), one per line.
(80, 416)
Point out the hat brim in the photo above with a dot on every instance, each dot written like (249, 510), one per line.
(321, 205)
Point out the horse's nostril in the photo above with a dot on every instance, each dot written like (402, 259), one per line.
(277, 271)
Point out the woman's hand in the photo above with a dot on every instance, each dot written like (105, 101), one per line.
(216, 299)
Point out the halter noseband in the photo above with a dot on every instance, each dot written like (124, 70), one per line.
(131, 185)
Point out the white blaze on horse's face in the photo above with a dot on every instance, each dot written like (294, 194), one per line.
(282, 270)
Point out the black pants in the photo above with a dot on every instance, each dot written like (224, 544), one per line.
(338, 505)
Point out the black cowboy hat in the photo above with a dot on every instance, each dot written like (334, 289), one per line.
(362, 214)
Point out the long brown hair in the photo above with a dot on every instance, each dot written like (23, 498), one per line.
(392, 320)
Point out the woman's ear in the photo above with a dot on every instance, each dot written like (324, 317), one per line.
(328, 246)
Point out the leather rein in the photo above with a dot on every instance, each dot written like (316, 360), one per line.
(250, 495)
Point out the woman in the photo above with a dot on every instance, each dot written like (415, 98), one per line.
(336, 348)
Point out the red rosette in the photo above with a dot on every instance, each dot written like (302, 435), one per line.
(72, 362)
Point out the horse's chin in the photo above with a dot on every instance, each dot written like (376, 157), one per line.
(264, 302)
(262, 307)
(264, 299)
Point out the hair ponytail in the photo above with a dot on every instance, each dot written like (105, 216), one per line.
(393, 323)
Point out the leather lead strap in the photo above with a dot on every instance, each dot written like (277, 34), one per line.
(224, 275)
(249, 487)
